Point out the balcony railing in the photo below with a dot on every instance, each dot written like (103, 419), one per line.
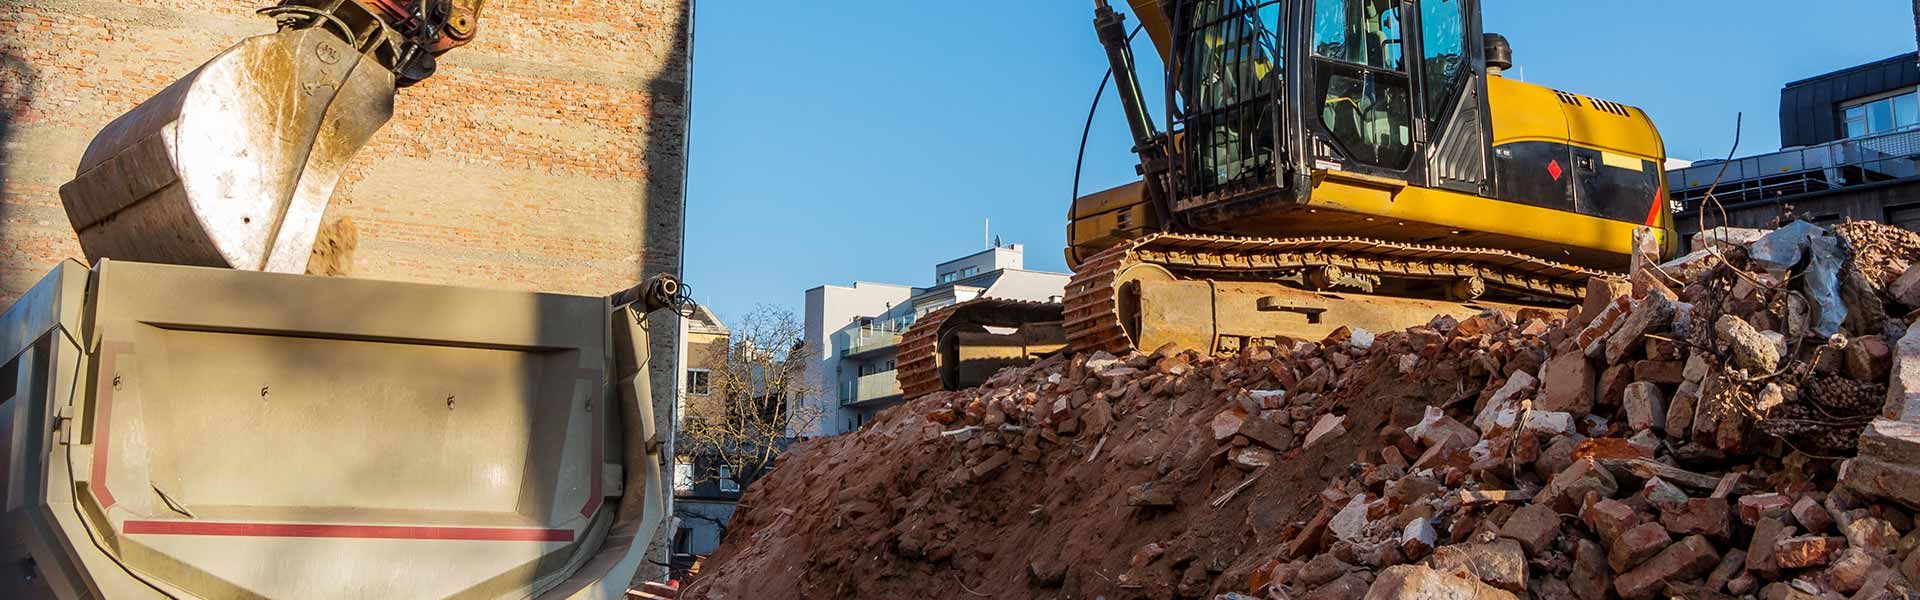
(878, 386)
(1832, 165)
(875, 337)
(868, 343)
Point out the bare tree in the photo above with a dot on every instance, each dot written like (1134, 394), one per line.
(754, 406)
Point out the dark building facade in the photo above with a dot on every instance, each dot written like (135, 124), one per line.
(1849, 144)
(1877, 97)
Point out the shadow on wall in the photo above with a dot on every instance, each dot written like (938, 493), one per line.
(665, 189)
(661, 226)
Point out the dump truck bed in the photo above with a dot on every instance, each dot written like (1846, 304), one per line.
(191, 432)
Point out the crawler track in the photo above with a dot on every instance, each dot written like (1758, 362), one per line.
(1092, 315)
(1093, 320)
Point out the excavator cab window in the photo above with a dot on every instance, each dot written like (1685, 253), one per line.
(1230, 70)
(1362, 80)
(1443, 54)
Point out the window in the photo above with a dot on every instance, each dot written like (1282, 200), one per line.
(1443, 35)
(1362, 32)
(1228, 84)
(948, 277)
(970, 271)
(727, 484)
(1882, 114)
(699, 382)
(1365, 97)
(1369, 119)
(682, 477)
(683, 541)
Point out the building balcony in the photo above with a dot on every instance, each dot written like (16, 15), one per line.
(875, 337)
(884, 385)
(867, 343)
(1830, 166)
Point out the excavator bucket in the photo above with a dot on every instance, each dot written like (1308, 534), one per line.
(232, 165)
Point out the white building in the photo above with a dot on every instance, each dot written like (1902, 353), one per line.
(856, 330)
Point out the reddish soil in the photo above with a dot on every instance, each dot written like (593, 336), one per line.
(888, 512)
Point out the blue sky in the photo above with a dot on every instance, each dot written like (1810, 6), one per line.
(867, 140)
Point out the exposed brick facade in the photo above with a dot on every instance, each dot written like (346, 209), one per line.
(548, 155)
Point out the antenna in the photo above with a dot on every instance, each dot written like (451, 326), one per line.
(987, 237)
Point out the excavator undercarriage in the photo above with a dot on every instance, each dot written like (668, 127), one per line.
(1220, 294)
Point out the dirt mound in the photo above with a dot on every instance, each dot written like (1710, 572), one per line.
(1071, 466)
(1682, 434)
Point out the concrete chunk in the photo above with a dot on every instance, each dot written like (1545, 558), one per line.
(1646, 406)
(1751, 350)
(1903, 387)
(1502, 563)
(1503, 409)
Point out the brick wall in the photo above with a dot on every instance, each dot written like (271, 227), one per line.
(548, 155)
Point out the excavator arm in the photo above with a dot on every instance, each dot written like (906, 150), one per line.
(233, 165)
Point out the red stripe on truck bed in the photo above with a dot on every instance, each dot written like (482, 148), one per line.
(373, 532)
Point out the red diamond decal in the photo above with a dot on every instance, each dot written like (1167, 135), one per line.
(1553, 168)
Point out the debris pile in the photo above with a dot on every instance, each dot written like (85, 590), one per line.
(1743, 421)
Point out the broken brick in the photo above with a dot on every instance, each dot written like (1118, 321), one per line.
(1414, 582)
(1687, 559)
(1568, 385)
(1636, 545)
(1869, 358)
(1872, 534)
(1760, 551)
(1568, 487)
(1755, 506)
(1806, 551)
(1610, 518)
(1850, 570)
(1710, 517)
(1534, 526)
(1811, 516)
(1590, 577)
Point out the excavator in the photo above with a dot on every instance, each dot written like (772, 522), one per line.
(190, 416)
(1325, 164)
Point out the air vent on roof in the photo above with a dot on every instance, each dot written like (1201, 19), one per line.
(1612, 107)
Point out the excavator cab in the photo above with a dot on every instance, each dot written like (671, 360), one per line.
(1385, 119)
(1268, 91)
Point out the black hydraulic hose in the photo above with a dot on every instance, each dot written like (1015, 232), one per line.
(1080, 161)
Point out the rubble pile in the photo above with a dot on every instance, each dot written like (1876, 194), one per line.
(1734, 423)
(1687, 439)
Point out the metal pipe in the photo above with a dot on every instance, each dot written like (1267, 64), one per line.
(1112, 28)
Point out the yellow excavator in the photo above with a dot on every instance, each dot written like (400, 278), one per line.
(1325, 163)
